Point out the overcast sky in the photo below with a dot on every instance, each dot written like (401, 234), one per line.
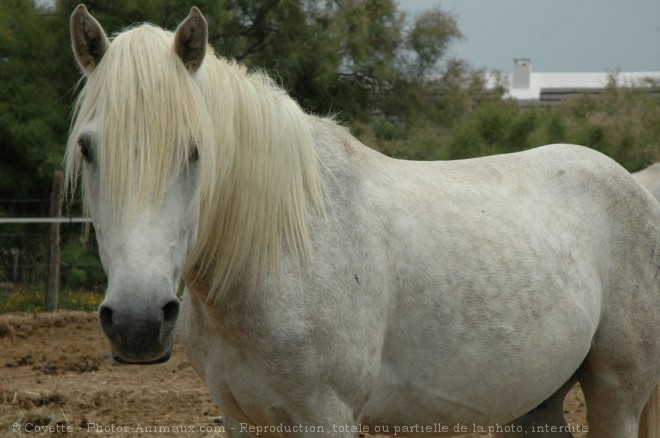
(559, 35)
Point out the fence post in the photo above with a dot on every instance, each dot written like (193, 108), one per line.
(53, 277)
(16, 254)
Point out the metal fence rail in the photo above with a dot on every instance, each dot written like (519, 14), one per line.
(44, 220)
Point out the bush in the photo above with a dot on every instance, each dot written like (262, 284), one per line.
(81, 268)
(621, 123)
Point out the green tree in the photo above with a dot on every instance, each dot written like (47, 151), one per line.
(334, 56)
(431, 35)
(32, 120)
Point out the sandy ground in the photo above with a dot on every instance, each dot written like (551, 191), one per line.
(57, 379)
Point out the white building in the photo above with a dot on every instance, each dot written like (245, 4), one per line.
(525, 85)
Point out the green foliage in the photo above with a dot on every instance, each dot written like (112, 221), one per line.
(32, 300)
(31, 117)
(621, 123)
(520, 131)
(81, 268)
(21, 300)
(431, 34)
(556, 130)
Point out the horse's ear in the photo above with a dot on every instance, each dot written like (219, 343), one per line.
(88, 39)
(190, 40)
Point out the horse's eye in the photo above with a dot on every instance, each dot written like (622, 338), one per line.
(85, 148)
(193, 154)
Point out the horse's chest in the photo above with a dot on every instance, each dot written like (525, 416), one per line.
(229, 377)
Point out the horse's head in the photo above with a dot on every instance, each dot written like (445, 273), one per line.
(138, 136)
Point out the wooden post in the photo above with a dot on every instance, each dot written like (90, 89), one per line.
(53, 277)
(16, 254)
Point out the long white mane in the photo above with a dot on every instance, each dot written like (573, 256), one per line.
(259, 176)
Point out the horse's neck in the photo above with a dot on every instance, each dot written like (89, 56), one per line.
(336, 151)
(339, 155)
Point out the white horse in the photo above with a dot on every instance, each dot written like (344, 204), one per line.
(331, 289)
(650, 179)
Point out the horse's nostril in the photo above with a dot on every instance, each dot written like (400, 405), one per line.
(171, 312)
(105, 319)
(105, 316)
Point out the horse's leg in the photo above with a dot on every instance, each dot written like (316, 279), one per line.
(615, 390)
(321, 414)
(612, 410)
(327, 417)
(649, 422)
(549, 413)
(234, 429)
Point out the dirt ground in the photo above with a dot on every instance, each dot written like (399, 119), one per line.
(57, 379)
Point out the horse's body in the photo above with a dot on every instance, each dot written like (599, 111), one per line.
(413, 295)
(650, 178)
(448, 276)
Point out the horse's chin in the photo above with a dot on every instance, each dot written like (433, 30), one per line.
(155, 356)
(126, 361)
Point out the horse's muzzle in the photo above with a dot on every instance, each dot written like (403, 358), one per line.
(140, 336)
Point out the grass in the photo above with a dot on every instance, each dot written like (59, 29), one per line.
(32, 300)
